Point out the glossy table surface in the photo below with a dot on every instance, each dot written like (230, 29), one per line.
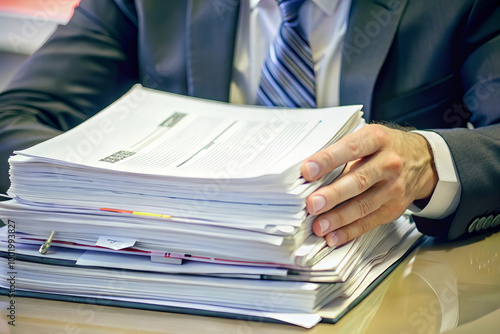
(439, 288)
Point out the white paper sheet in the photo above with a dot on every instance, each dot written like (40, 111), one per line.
(194, 138)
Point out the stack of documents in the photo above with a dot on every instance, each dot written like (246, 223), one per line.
(190, 204)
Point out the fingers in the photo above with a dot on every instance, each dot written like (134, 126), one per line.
(369, 194)
(386, 170)
(379, 201)
(349, 212)
(356, 145)
(361, 176)
(358, 227)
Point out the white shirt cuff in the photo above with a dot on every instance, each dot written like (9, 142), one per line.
(446, 195)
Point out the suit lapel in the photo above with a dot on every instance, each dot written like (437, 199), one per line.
(371, 30)
(211, 31)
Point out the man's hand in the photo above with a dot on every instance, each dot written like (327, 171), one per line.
(386, 171)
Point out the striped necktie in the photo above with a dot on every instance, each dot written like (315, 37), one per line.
(287, 76)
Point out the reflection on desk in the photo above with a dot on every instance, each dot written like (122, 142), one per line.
(452, 288)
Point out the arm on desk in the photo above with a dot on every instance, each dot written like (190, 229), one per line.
(476, 152)
(477, 158)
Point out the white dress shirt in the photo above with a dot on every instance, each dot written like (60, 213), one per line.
(259, 21)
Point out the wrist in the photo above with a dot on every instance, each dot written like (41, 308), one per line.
(429, 177)
(446, 194)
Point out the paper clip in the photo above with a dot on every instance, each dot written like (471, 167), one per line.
(46, 245)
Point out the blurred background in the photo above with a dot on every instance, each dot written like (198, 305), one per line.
(24, 26)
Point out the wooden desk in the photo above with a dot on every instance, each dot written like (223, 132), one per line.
(453, 288)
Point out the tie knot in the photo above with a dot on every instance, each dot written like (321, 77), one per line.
(290, 9)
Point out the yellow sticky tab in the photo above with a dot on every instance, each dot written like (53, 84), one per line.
(151, 214)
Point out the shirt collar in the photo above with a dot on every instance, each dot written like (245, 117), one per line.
(327, 6)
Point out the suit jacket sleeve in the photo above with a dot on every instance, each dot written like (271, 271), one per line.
(82, 68)
(476, 152)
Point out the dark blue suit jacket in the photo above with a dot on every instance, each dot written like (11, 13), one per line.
(432, 64)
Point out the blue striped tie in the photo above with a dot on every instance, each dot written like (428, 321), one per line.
(287, 77)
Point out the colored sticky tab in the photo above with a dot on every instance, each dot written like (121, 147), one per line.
(162, 257)
(115, 243)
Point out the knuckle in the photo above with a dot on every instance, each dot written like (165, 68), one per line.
(326, 158)
(354, 147)
(364, 226)
(363, 207)
(398, 187)
(379, 134)
(394, 163)
(350, 233)
(361, 180)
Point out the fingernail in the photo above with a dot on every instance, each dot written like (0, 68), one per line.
(318, 203)
(324, 224)
(334, 240)
(312, 169)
